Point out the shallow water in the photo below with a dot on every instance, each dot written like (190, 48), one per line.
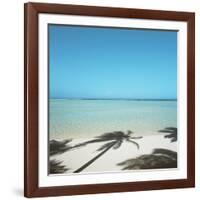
(89, 118)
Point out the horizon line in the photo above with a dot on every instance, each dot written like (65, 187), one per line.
(138, 99)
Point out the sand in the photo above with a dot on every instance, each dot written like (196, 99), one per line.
(75, 158)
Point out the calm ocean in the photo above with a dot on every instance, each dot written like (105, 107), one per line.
(89, 118)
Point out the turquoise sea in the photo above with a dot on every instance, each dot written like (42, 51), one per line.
(89, 118)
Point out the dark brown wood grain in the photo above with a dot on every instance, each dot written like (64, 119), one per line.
(191, 98)
(31, 187)
(31, 100)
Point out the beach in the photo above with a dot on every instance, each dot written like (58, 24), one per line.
(145, 123)
(109, 161)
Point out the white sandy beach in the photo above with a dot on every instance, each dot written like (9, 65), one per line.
(75, 158)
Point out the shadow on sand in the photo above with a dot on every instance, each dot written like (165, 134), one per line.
(158, 159)
(58, 147)
(56, 167)
(172, 133)
(113, 140)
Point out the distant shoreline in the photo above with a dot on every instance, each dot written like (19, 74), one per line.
(107, 99)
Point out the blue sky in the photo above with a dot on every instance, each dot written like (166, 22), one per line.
(91, 62)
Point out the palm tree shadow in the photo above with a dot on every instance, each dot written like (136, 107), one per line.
(113, 141)
(158, 159)
(56, 167)
(172, 133)
(58, 147)
(117, 136)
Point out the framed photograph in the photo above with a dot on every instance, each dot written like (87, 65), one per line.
(109, 99)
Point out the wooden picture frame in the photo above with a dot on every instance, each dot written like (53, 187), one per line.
(31, 93)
